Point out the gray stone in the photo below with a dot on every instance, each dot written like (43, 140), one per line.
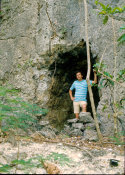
(46, 132)
(85, 117)
(90, 126)
(67, 127)
(66, 130)
(44, 123)
(90, 135)
(72, 120)
(76, 132)
(78, 126)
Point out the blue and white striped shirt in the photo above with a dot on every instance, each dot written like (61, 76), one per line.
(81, 89)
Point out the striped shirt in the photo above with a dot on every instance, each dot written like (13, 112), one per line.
(81, 89)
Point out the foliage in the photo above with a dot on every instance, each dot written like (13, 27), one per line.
(121, 39)
(25, 164)
(107, 79)
(104, 81)
(62, 159)
(5, 168)
(107, 11)
(121, 75)
(14, 112)
(117, 140)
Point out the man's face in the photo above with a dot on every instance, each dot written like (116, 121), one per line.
(79, 76)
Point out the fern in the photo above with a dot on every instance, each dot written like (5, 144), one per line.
(15, 112)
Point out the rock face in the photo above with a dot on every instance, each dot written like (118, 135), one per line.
(42, 44)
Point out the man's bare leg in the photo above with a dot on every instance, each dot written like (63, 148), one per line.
(77, 115)
(84, 108)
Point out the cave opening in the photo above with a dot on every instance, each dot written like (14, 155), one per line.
(67, 63)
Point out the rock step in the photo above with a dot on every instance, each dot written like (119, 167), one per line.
(85, 117)
(84, 126)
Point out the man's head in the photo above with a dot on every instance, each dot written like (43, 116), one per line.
(79, 75)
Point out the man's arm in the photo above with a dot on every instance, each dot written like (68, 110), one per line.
(70, 93)
(95, 78)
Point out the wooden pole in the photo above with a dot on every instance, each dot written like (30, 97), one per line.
(88, 74)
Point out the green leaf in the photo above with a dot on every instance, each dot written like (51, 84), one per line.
(121, 39)
(116, 10)
(108, 74)
(102, 5)
(108, 116)
(96, 2)
(97, 65)
(101, 84)
(122, 72)
(105, 20)
(5, 168)
(104, 107)
(111, 82)
(108, 9)
(61, 158)
(102, 12)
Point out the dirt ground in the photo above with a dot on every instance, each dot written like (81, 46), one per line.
(61, 156)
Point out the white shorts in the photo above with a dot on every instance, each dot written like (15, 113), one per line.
(77, 105)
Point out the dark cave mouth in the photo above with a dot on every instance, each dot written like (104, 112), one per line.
(64, 69)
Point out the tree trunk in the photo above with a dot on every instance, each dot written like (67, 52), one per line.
(88, 75)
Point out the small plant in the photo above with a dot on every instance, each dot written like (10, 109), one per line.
(16, 114)
(119, 139)
(106, 11)
(121, 39)
(62, 159)
(25, 164)
(109, 80)
(63, 32)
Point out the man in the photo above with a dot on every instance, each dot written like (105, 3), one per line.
(81, 88)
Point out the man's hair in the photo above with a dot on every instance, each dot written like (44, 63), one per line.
(79, 72)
